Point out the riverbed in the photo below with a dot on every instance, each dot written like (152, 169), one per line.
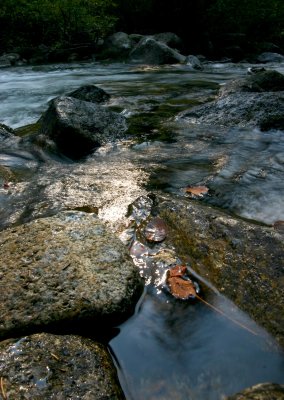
(168, 349)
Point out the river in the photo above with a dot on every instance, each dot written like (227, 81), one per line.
(167, 350)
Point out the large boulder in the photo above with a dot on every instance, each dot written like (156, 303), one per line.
(262, 391)
(243, 260)
(151, 51)
(169, 38)
(90, 93)
(6, 60)
(259, 81)
(267, 57)
(255, 101)
(44, 366)
(78, 127)
(117, 46)
(64, 271)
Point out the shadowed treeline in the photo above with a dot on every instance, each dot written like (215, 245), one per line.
(206, 26)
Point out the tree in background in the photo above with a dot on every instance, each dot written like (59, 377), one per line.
(54, 22)
(59, 23)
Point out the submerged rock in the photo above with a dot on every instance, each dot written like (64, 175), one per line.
(255, 101)
(78, 127)
(90, 93)
(151, 51)
(45, 366)
(262, 391)
(243, 260)
(59, 270)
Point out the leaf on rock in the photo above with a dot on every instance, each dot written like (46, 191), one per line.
(196, 191)
(181, 288)
(178, 270)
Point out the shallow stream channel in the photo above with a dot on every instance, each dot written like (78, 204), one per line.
(169, 349)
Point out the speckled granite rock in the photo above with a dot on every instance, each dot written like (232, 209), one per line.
(263, 391)
(254, 101)
(245, 261)
(45, 366)
(90, 93)
(78, 127)
(62, 270)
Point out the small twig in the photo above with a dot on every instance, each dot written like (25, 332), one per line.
(55, 356)
(2, 388)
(225, 315)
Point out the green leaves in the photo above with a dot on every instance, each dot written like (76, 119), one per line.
(55, 21)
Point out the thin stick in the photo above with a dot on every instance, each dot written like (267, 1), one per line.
(225, 315)
(3, 393)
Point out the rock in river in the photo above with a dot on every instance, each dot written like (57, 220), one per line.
(254, 101)
(151, 51)
(78, 127)
(45, 366)
(59, 270)
(90, 93)
(262, 391)
(242, 259)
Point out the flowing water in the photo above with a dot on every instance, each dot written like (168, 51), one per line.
(168, 349)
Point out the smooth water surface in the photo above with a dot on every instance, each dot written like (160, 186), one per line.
(168, 349)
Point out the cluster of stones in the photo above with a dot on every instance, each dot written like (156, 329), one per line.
(65, 274)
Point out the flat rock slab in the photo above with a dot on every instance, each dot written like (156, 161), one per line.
(245, 261)
(44, 366)
(254, 101)
(62, 270)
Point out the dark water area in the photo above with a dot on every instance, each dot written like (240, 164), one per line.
(169, 349)
(175, 350)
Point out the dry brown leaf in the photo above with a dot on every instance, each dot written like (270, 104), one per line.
(180, 288)
(178, 270)
(197, 190)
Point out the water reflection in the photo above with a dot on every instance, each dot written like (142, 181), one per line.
(190, 352)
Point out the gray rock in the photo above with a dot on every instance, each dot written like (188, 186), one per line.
(193, 62)
(60, 270)
(6, 60)
(151, 51)
(7, 136)
(90, 93)
(45, 366)
(267, 57)
(135, 37)
(243, 260)
(255, 101)
(259, 80)
(262, 391)
(169, 38)
(263, 110)
(117, 46)
(78, 127)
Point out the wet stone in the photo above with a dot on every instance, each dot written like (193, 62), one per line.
(263, 391)
(62, 270)
(243, 260)
(45, 366)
